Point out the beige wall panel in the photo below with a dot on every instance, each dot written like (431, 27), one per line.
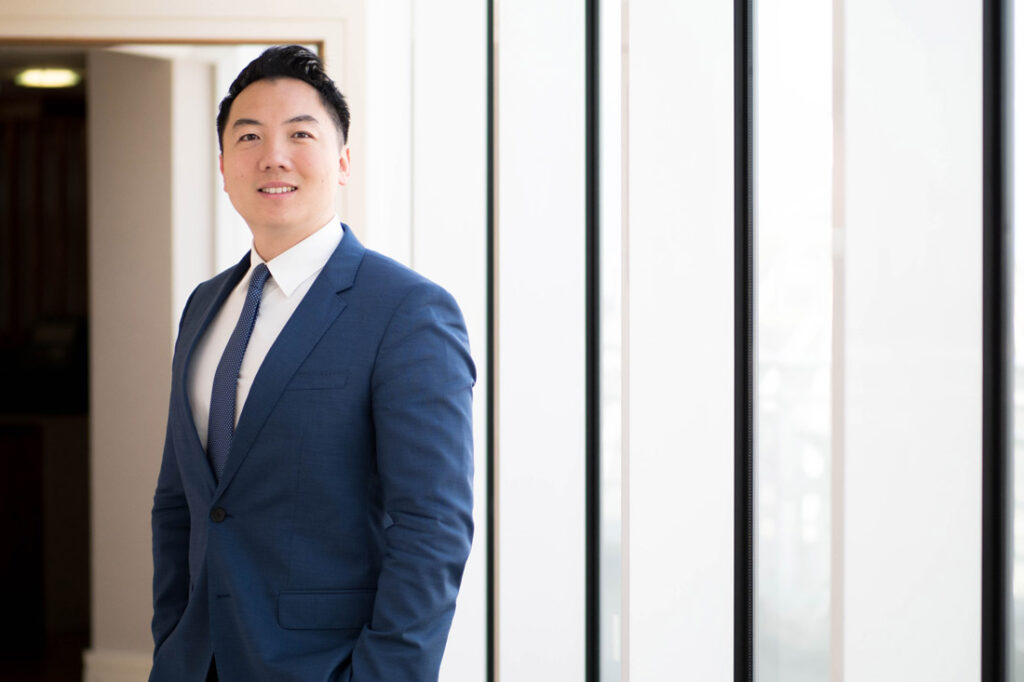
(130, 347)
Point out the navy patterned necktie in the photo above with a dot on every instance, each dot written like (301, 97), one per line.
(225, 380)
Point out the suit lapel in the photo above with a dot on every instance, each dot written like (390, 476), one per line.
(318, 310)
(190, 334)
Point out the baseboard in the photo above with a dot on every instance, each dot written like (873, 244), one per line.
(116, 666)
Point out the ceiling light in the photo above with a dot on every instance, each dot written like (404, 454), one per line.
(48, 78)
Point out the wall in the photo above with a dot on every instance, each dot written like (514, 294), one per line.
(130, 241)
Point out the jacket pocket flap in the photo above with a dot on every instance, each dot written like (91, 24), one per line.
(337, 610)
(313, 380)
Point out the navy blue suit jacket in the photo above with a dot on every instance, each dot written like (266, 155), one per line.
(332, 548)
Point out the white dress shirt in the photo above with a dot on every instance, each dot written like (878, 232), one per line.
(291, 275)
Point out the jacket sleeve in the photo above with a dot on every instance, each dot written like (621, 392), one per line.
(422, 411)
(171, 528)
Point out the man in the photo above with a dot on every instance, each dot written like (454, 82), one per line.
(312, 515)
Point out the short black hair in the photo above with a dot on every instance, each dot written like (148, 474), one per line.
(288, 61)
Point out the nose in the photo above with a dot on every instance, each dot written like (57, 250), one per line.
(275, 154)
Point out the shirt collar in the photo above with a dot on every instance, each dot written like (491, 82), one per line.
(294, 266)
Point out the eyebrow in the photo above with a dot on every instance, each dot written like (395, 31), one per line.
(301, 118)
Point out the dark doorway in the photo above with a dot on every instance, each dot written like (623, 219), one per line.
(44, 466)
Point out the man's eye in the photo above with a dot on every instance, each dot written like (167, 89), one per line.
(248, 137)
(302, 133)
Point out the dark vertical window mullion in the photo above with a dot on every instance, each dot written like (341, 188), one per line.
(593, 355)
(997, 355)
(492, 331)
(743, 558)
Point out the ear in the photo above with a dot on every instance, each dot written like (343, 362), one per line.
(344, 166)
(220, 163)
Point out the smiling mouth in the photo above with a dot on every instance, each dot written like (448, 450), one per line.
(278, 190)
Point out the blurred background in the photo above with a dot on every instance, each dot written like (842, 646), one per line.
(567, 169)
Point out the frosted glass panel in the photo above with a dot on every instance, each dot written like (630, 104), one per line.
(679, 342)
(793, 225)
(540, 345)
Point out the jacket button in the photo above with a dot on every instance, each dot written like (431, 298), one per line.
(218, 514)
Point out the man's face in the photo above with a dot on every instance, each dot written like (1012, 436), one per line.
(282, 160)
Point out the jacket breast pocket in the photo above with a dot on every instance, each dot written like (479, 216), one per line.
(311, 380)
(331, 610)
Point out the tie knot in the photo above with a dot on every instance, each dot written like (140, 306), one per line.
(259, 276)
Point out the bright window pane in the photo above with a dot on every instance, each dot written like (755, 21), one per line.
(793, 227)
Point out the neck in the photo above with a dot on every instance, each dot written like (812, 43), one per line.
(271, 243)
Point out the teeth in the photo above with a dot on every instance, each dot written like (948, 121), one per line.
(277, 190)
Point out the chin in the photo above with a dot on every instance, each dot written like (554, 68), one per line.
(274, 223)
